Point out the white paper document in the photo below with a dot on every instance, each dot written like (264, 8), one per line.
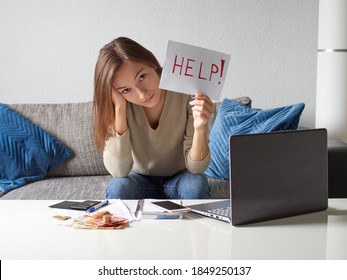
(189, 69)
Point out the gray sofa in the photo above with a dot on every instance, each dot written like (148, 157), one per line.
(84, 176)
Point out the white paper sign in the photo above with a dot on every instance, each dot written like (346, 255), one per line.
(190, 69)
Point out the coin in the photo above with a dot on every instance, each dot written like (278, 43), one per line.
(61, 218)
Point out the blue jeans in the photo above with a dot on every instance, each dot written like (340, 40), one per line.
(183, 185)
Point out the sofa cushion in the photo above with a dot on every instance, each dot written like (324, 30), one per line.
(27, 151)
(245, 100)
(234, 118)
(71, 123)
(63, 188)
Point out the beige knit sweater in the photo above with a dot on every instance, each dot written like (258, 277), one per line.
(163, 151)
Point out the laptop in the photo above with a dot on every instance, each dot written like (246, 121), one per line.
(273, 175)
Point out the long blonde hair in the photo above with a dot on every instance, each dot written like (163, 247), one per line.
(112, 56)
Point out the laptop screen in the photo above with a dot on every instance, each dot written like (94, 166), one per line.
(275, 175)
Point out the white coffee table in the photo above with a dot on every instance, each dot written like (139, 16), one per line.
(28, 232)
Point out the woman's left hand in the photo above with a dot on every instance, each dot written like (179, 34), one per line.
(202, 108)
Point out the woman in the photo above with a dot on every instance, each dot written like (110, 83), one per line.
(154, 142)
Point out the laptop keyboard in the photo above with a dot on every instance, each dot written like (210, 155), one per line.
(220, 211)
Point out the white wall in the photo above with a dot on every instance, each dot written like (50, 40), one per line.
(49, 48)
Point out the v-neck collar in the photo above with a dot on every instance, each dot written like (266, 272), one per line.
(162, 115)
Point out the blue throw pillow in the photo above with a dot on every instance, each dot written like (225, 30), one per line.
(27, 152)
(234, 118)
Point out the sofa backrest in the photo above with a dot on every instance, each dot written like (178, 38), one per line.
(71, 123)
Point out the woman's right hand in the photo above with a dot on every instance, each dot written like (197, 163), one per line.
(117, 99)
(119, 102)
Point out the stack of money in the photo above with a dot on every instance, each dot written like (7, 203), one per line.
(100, 220)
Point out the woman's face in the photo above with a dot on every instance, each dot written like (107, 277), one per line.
(138, 83)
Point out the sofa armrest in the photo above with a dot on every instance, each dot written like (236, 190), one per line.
(337, 169)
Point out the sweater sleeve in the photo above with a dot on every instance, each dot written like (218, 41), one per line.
(195, 167)
(117, 155)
